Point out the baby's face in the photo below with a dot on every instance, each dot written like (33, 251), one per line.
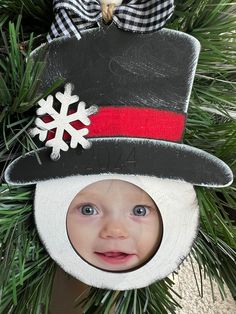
(114, 225)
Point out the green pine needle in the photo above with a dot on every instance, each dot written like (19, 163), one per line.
(156, 298)
(216, 260)
(37, 15)
(19, 82)
(26, 272)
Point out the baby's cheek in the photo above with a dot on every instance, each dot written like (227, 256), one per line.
(150, 221)
(147, 235)
(147, 244)
(77, 217)
(80, 226)
(142, 225)
(139, 220)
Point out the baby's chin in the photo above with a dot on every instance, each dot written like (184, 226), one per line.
(115, 261)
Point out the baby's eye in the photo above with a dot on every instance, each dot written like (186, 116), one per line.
(88, 210)
(140, 210)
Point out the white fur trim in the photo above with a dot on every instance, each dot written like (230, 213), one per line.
(178, 207)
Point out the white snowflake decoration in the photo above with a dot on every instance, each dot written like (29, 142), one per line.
(61, 122)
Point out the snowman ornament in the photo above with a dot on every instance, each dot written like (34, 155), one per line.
(119, 118)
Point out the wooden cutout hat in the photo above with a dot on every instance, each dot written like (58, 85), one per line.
(141, 85)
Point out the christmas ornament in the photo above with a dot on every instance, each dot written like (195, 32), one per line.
(141, 85)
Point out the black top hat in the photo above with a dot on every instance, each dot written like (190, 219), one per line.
(141, 85)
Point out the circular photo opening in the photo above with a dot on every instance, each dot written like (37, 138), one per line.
(114, 225)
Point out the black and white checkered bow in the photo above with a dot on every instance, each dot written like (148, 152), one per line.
(143, 16)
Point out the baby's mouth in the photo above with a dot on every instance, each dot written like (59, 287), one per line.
(114, 257)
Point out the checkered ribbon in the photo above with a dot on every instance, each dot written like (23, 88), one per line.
(74, 16)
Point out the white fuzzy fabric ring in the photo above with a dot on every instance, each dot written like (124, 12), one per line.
(178, 207)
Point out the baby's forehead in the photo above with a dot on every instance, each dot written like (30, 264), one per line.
(113, 189)
(112, 185)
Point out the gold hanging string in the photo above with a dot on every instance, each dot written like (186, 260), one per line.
(107, 11)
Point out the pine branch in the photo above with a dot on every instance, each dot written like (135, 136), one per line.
(19, 82)
(156, 298)
(216, 260)
(26, 272)
(37, 15)
(214, 249)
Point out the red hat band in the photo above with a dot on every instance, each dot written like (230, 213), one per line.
(138, 122)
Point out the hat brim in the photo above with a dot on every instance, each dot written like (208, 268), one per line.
(124, 156)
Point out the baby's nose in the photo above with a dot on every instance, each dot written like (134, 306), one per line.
(114, 229)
